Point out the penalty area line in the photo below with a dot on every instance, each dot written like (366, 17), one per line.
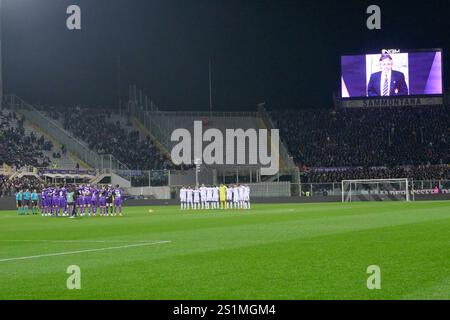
(84, 251)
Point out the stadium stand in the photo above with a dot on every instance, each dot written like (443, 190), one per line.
(49, 153)
(367, 137)
(327, 145)
(20, 147)
(405, 141)
(109, 133)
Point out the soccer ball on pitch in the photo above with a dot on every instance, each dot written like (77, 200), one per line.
(150, 210)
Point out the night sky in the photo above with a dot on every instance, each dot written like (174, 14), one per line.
(286, 53)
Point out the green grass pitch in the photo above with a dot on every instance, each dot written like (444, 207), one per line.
(273, 251)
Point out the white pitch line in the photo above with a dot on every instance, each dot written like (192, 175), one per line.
(83, 251)
(79, 241)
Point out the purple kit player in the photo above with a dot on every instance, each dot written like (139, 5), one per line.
(44, 201)
(88, 198)
(55, 201)
(94, 199)
(118, 197)
(102, 202)
(49, 201)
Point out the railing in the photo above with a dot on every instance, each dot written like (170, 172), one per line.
(284, 153)
(207, 176)
(72, 144)
(149, 178)
(206, 113)
(144, 116)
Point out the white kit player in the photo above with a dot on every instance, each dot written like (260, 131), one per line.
(209, 197)
(229, 203)
(236, 198)
(183, 198)
(247, 197)
(203, 196)
(189, 199)
(196, 193)
(242, 197)
(215, 197)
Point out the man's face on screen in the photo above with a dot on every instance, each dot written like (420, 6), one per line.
(386, 65)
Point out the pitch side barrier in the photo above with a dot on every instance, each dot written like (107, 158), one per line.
(8, 203)
(314, 199)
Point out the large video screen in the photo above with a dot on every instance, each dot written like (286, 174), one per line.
(392, 74)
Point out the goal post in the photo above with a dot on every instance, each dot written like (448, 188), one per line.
(376, 190)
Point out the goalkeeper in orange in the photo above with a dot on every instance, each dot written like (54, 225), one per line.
(222, 196)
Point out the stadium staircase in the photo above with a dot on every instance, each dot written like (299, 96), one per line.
(13, 175)
(144, 131)
(287, 163)
(67, 161)
(159, 125)
(28, 173)
(106, 163)
(106, 176)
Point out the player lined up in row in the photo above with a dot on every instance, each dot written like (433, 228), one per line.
(215, 197)
(70, 200)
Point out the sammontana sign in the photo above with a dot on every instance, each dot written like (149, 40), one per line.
(392, 102)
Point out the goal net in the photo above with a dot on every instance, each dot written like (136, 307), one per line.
(375, 190)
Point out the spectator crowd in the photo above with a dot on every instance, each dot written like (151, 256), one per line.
(18, 149)
(436, 172)
(367, 137)
(10, 187)
(94, 127)
(403, 141)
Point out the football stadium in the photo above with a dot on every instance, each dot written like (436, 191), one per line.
(223, 150)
